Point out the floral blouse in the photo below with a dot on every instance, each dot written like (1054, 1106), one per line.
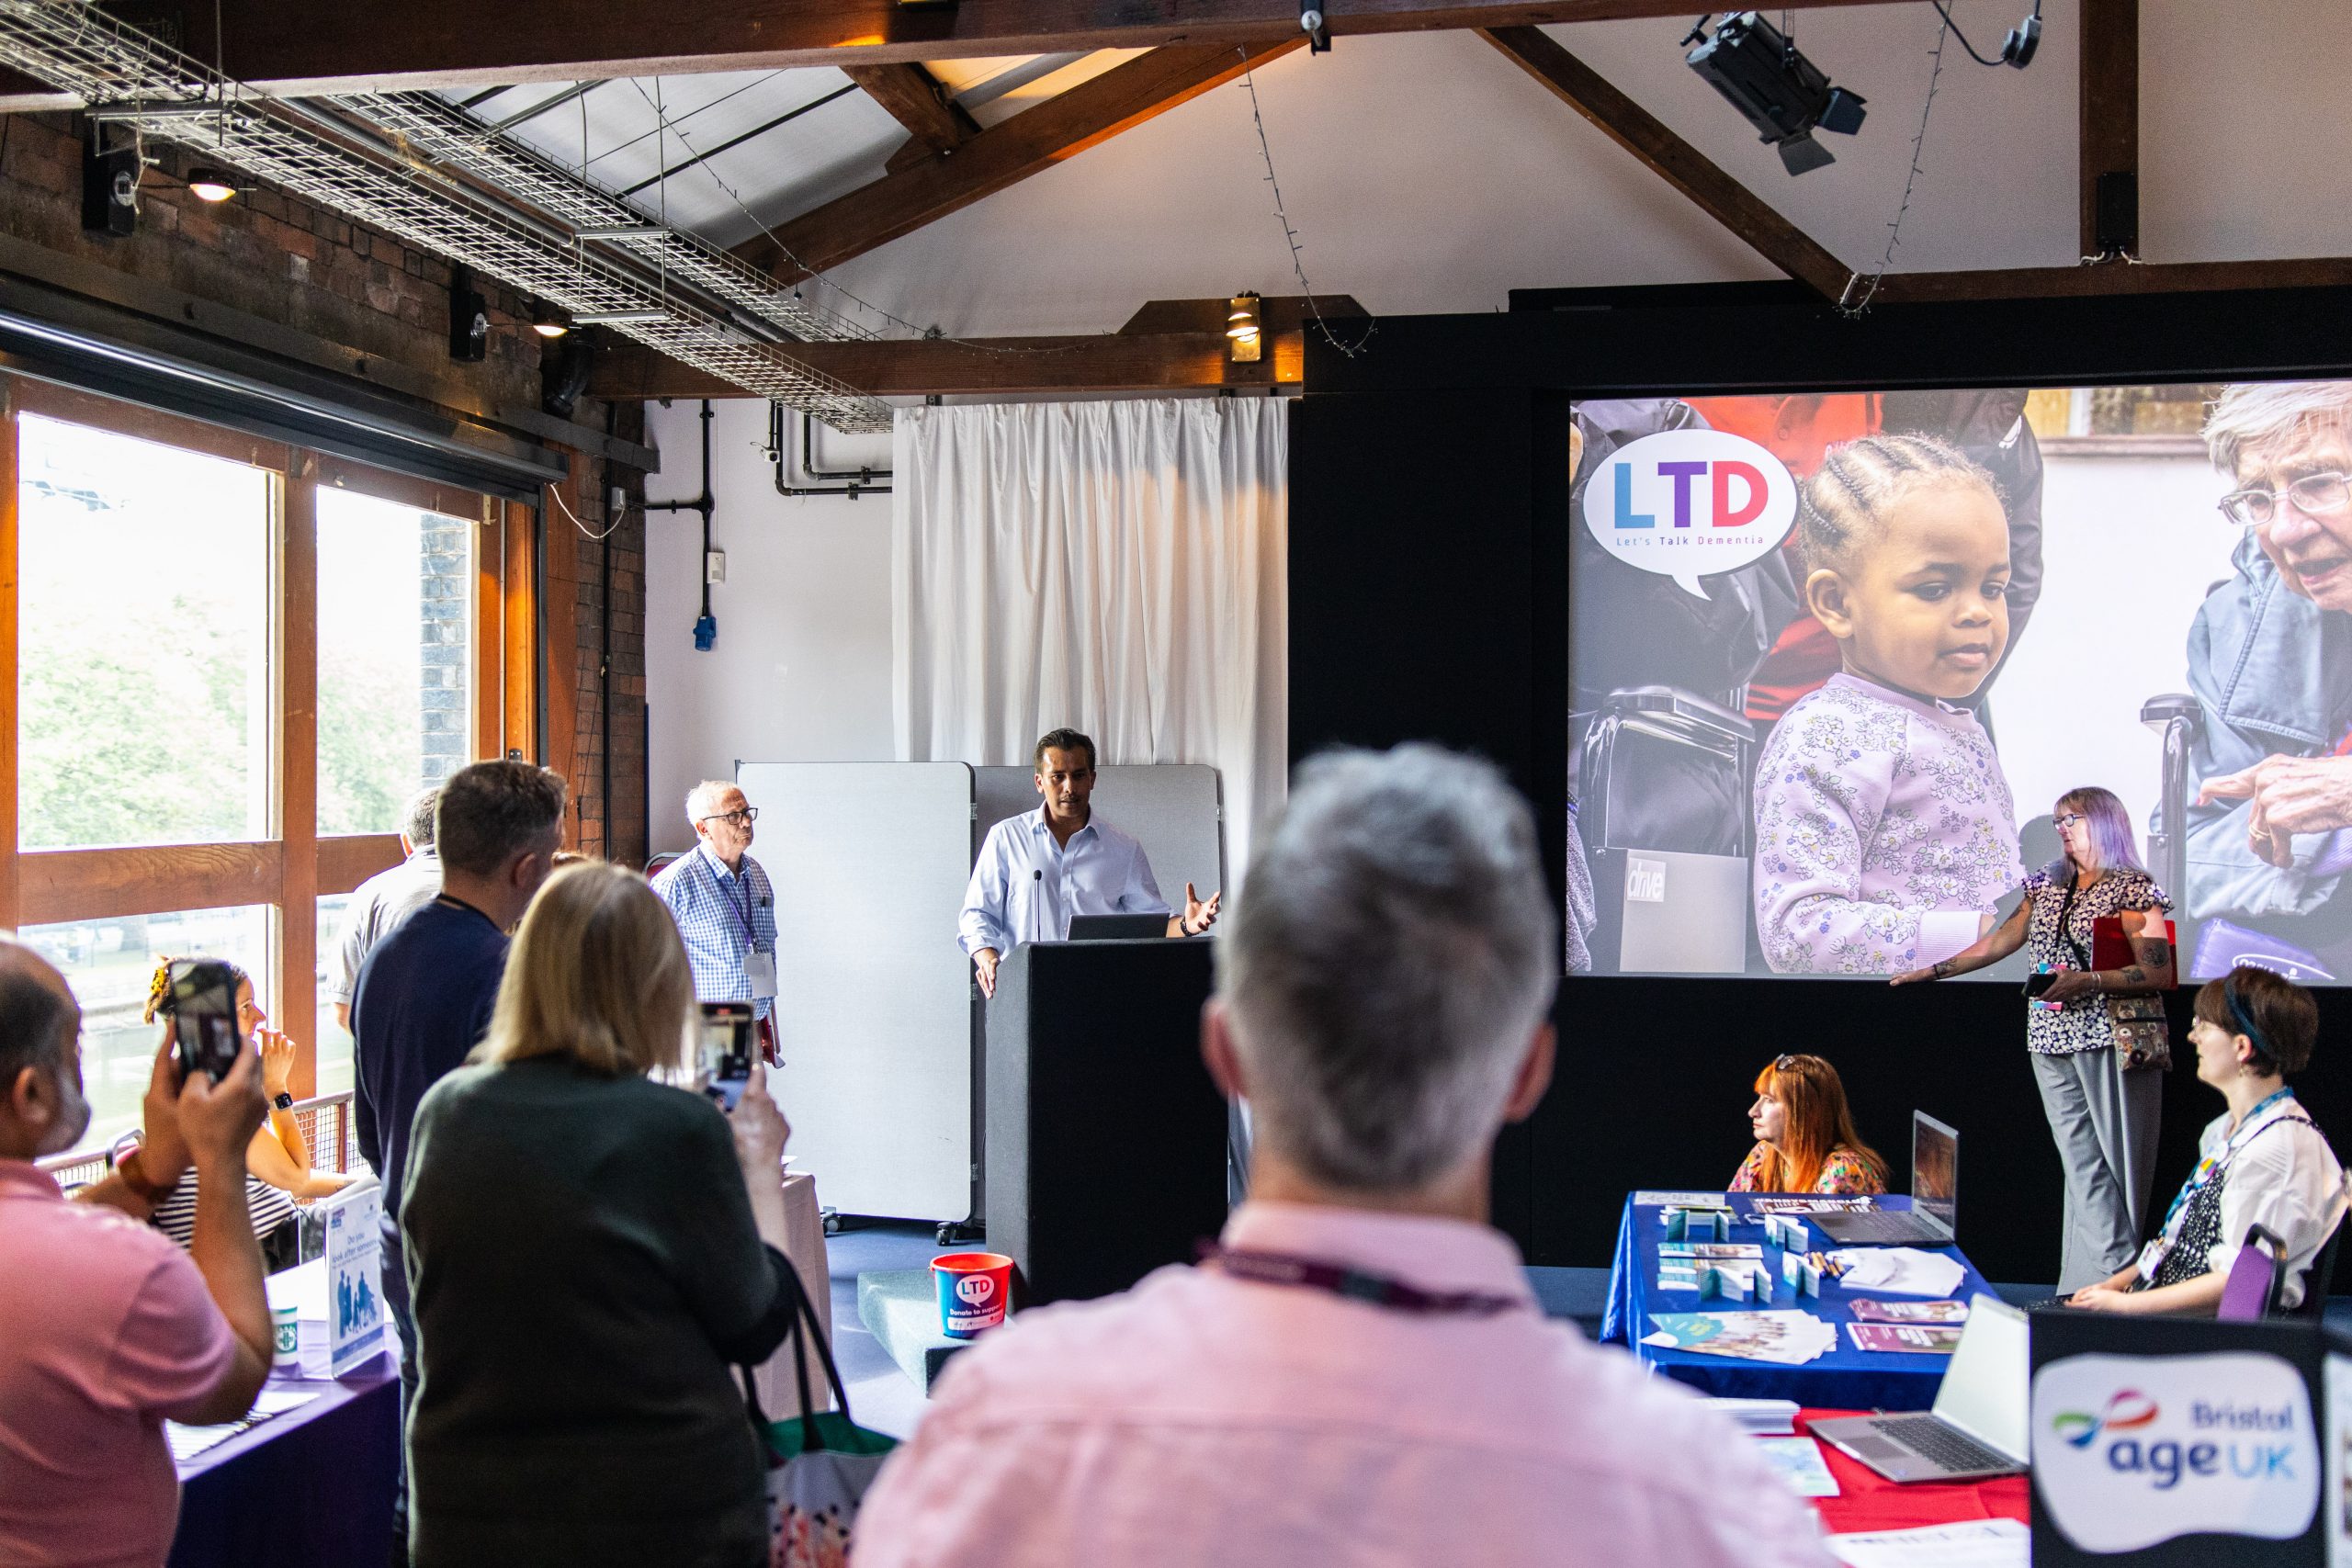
(1843, 1174)
(2068, 1028)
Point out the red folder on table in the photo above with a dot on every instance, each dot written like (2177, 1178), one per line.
(2110, 948)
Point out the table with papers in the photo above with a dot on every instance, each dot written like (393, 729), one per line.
(1840, 1376)
(307, 1485)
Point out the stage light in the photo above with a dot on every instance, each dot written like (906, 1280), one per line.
(1243, 320)
(210, 184)
(547, 320)
(1784, 96)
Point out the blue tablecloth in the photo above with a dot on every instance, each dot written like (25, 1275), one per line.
(311, 1488)
(1843, 1377)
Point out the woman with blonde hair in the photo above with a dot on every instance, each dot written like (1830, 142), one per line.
(1805, 1140)
(586, 1266)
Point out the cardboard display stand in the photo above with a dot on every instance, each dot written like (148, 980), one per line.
(2180, 1443)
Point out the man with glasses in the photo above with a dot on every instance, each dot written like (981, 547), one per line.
(725, 906)
(2271, 661)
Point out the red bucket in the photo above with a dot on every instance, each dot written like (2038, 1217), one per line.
(974, 1290)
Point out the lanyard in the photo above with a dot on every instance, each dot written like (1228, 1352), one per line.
(1354, 1284)
(741, 911)
(2207, 1166)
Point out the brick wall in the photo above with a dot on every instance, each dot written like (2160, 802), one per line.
(281, 258)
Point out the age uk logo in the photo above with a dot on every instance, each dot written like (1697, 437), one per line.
(2127, 1410)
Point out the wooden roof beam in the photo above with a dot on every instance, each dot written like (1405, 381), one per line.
(1005, 153)
(299, 48)
(1103, 362)
(918, 100)
(2108, 141)
(1673, 160)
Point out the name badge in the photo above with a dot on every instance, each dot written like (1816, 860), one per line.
(761, 967)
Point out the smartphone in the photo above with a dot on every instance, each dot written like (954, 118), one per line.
(204, 1018)
(2041, 981)
(725, 1040)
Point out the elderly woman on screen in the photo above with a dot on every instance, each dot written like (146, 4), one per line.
(2269, 835)
(575, 1402)
(1805, 1140)
(2261, 1162)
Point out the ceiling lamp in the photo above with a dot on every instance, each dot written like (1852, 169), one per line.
(1242, 324)
(207, 184)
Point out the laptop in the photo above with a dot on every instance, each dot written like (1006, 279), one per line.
(1115, 928)
(1935, 1192)
(1978, 1426)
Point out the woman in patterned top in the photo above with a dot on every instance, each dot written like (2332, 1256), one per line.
(2097, 1035)
(1805, 1140)
(2261, 1162)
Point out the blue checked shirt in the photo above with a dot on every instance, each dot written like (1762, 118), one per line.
(1027, 886)
(723, 917)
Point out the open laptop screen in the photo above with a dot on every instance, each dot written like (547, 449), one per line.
(1934, 1169)
(1985, 1388)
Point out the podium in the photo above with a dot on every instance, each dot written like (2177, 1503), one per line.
(1105, 1139)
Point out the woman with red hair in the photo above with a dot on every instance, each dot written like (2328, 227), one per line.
(1805, 1140)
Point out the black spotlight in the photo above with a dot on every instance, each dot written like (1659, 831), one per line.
(1784, 96)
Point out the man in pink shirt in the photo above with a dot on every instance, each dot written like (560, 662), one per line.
(109, 1328)
(1361, 1375)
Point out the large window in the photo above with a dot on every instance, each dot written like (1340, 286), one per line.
(234, 664)
(144, 635)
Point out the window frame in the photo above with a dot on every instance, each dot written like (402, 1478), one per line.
(294, 867)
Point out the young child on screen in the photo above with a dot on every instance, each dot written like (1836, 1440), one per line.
(1885, 831)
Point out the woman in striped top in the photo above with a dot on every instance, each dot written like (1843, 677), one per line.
(278, 1159)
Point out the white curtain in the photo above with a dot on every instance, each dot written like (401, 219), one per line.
(1119, 568)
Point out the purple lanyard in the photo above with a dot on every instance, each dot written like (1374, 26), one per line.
(740, 911)
(1354, 1284)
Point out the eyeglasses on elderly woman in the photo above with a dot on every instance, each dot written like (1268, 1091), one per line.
(2314, 495)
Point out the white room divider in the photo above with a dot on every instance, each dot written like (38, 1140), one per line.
(869, 861)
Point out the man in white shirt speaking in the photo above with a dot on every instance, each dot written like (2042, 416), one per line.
(1038, 869)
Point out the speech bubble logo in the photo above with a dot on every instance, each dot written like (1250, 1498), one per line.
(1689, 503)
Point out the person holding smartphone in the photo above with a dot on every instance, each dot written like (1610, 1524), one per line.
(576, 1338)
(2097, 1035)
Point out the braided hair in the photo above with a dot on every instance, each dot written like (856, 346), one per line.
(1845, 504)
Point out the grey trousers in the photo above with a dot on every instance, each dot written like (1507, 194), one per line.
(2105, 1121)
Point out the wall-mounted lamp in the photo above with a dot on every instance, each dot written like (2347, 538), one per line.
(207, 184)
(1244, 341)
(547, 320)
(469, 318)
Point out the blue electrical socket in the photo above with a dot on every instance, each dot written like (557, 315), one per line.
(705, 633)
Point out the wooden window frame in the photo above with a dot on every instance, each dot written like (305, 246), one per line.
(292, 868)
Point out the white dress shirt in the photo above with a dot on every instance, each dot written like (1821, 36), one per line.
(1026, 886)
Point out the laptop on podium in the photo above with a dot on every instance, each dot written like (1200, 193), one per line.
(1934, 1197)
(1978, 1426)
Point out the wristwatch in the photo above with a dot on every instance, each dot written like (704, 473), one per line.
(134, 1175)
(284, 1102)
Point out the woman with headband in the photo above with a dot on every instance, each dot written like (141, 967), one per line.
(2260, 1162)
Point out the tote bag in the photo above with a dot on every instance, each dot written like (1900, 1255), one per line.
(821, 1463)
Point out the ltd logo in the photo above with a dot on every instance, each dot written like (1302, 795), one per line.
(2126, 1411)
(975, 1288)
(2129, 1450)
(1686, 503)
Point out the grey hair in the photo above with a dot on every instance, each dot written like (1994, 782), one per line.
(417, 818)
(2262, 413)
(703, 799)
(1392, 953)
